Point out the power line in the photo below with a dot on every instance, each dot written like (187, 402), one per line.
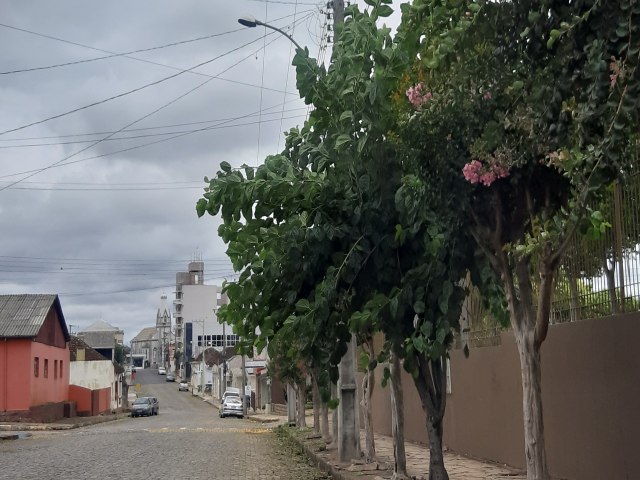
(125, 54)
(142, 129)
(113, 55)
(286, 81)
(135, 137)
(131, 124)
(128, 92)
(116, 260)
(60, 164)
(264, 55)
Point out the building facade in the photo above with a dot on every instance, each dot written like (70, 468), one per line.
(196, 322)
(34, 358)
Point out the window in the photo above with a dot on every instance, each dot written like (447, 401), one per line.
(46, 368)
(36, 367)
(55, 369)
(60, 369)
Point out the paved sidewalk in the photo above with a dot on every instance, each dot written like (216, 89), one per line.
(459, 467)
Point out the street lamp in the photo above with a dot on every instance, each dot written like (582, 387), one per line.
(251, 22)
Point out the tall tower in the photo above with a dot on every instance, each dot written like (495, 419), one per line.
(163, 330)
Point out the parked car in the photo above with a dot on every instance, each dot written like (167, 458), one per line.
(162, 371)
(155, 405)
(170, 377)
(231, 392)
(142, 406)
(231, 406)
(183, 386)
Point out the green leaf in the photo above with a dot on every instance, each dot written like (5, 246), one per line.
(348, 114)
(384, 11)
(342, 139)
(226, 167)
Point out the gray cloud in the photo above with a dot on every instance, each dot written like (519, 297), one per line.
(111, 254)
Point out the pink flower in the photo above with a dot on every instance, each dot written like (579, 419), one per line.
(614, 79)
(476, 172)
(487, 95)
(417, 97)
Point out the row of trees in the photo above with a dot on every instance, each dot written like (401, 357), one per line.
(467, 145)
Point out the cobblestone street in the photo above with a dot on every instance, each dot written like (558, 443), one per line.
(186, 440)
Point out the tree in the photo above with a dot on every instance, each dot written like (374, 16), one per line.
(544, 97)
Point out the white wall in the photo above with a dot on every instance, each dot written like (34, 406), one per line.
(95, 375)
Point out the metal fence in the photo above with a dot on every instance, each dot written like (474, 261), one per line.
(596, 278)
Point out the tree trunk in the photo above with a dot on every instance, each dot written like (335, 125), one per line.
(431, 384)
(324, 423)
(535, 454)
(397, 420)
(301, 398)
(529, 330)
(368, 383)
(316, 403)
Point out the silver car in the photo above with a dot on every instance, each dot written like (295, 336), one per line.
(232, 406)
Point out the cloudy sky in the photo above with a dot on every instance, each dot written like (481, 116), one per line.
(105, 140)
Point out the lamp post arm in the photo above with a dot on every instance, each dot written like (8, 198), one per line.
(258, 22)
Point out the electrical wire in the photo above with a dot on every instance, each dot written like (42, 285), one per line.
(124, 54)
(135, 137)
(115, 54)
(264, 55)
(64, 161)
(58, 165)
(129, 92)
(286, 81)
(139, 129)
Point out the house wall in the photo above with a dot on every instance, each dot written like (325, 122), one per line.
(52, 388)
(90, 402)
(93, 375)
(51, 333)
(82, 397)
(590, 392)
(97, 375)
(16, 365)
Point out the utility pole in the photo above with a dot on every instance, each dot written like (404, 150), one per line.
(348, 415)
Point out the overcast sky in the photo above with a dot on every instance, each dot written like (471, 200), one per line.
(105, 221)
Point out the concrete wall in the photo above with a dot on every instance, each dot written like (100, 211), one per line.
(97, 375)
(199, 302)
(16, 366)
(591, 392)
(49, 388)
(90, 402)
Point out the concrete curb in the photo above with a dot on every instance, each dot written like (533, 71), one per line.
(316, 459)
(40, 427)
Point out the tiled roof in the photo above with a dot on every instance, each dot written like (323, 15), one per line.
(90, 354)
(24, 315)
(100, 326)
(145, 334)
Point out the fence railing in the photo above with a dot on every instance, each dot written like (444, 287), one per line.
(596, 278)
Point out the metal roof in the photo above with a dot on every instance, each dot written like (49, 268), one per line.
(24, 315)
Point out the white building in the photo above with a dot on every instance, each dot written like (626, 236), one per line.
(196, 323)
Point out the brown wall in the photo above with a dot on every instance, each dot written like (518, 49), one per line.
(591, 398)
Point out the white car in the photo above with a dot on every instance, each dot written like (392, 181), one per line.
(183, 386)
(162, 371)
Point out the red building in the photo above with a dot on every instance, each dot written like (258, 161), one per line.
(34, 358)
